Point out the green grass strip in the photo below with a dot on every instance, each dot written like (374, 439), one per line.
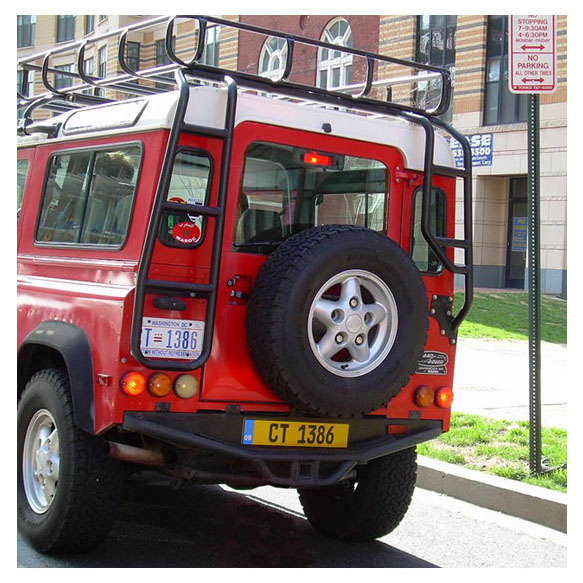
(500, 448)
(504, 316)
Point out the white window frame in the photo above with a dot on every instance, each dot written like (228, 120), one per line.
(328, 62)
(276, 49)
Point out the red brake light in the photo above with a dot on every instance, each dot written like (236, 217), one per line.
(318, 159)
(444, 397)
(133, 383)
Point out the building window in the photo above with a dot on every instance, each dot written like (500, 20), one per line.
(89, 24)
(500, 105)
(210, 54)
(65, 28)
(24, 89)
(63, 81)
(25, 26)
(102, 64)
(335, 67)
(88, 68)
(133, 55)
(162, 58)
(273, 58)
(435, 46)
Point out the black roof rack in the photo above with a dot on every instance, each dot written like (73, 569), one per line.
(88, 89)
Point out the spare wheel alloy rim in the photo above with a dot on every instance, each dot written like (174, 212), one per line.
(40, 461)
(352, 323)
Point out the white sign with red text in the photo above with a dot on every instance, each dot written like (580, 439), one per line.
(532, 43)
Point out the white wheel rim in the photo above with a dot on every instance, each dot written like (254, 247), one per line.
(41, 461)
(352, 332)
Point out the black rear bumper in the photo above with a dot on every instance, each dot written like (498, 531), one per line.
(220, 434)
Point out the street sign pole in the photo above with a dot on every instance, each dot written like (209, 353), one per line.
(532, 41)
(534, 281)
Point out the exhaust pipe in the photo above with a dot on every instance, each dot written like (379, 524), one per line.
(134, 455)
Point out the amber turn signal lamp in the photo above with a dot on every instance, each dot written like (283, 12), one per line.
(159, 384)
(185, 386)
(424, 396)
(444, 397)
(133, 383)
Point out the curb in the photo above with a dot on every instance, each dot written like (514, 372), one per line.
(532, 503)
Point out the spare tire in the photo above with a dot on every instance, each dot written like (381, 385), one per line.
(337, 320)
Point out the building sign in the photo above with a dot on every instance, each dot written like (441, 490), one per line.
(519, 234)
(482, 146)
(533, 41)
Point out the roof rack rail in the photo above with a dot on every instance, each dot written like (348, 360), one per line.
(86, 88)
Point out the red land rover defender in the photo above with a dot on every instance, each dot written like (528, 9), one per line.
(233, 280)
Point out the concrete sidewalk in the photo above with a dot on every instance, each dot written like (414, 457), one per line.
(492, 379)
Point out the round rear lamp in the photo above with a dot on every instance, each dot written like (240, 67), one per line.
(133, 383)
(159, 384)
(185, 386)
(444, 397)
(424, 396)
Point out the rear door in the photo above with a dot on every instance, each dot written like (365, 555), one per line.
(282, 181)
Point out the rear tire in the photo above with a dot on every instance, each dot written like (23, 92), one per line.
(67, 490)
(368, 509)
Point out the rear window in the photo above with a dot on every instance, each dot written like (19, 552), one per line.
(287, 189)
(421, 253)
(89, 196)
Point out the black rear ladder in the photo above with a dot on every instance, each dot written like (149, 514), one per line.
(208, 291)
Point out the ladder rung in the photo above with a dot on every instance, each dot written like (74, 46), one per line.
(178, 286)
(447, 171)
(195, 209)
(461, 243)
(205, 130)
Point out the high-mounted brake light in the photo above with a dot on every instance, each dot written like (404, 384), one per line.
(318, 159)
(444, 397)
(133, 383)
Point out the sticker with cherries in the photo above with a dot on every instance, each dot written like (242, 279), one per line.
(184, 231)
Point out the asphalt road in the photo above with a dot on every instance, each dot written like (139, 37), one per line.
(213, 526)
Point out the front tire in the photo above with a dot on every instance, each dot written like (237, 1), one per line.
(67, 490)
(368, 508)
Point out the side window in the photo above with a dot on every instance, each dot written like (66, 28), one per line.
(89, 196)
(21, 173)
(286, 190)
(189, 184)
(421, 253)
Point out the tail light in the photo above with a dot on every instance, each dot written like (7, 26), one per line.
(424, 396)
(159, 384)
(185, 386)
(444, 397)
(133, 383)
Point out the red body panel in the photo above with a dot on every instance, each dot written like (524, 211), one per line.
(94, 288)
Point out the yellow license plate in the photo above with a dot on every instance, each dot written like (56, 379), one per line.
(294, 433)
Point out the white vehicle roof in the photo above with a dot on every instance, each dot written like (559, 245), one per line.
(206, 107)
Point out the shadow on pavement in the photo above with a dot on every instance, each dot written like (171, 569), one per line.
(206, 526)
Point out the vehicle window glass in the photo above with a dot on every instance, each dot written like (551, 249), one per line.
(189, 184)
(421, 253)
(21, 172)
(89, 196)
(287, 189)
